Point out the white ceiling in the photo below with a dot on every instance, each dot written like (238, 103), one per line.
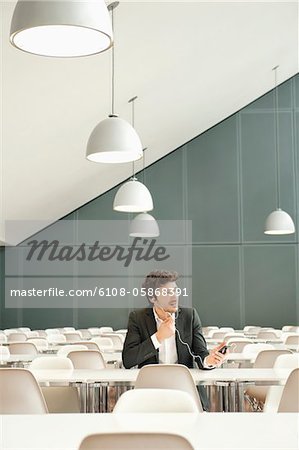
(191, 64)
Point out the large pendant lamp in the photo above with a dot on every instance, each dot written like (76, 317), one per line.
(61, 28)
(133, 196)
(278, 222)
(113, 140)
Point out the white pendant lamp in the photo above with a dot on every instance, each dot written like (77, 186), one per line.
(144, 225)
(113, 140)
(61, 28)
(278, 222)
(133, 196)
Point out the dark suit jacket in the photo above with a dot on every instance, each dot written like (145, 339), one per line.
(139, 349)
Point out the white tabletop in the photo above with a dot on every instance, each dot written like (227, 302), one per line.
(129, 376)
(242, 431)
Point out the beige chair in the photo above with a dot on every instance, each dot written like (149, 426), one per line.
(104, 343)
(90, 345)
(41, 333)
(135, 441)
(254, 349)
(3, 338)
(94, 331)
(4, 353)
(217, 335)
(32, 334)
(274, 394)
(264, 360)
(87, 359)
(20, 393)
(51, 362)
(117, 339)
(40, 343)
(168, 376)
(237, 344)
(17, 337)
(22, 348)
(290, 395)
(267, 335)
(52, 331)
(67, 329)
(24, 329)
(233, 336)
(72, 337)
(59, 399)
(251, 330)
(64, 351)
(56, 338)
(105, 330)
(155, 401)
(290, 329)
(85, 334)
(292, 340)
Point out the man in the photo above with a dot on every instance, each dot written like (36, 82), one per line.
(165, 333)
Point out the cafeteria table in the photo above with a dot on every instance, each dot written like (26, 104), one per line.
(205, 431)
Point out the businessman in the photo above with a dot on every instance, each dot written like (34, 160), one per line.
(165, 333)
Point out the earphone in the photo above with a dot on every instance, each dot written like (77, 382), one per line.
(178, 334)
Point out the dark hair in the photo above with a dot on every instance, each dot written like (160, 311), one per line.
(156, 279)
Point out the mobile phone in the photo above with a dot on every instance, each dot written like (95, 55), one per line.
(223, 349)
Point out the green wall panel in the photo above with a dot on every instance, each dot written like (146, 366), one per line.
(165, 181)
(212, 184)
(259, 173)
(216, 285)
(270, 284)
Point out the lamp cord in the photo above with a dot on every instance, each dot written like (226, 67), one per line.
(132, 100)
(112, 68)
(276, 124)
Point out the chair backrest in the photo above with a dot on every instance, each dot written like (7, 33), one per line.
(4, 352)
(289, 401)
(274, 394)
(3, 338)
(292, 340)
(32, 334)
(266, 358)
(291, 328)
(22, 348)
(267, 335)
(168, 376)
(56, 338)
(94, 331)
(90, 345)
(155, 401)
(287, 361)
(254, 349)
(24, 329)
(103, 343)
(66, 349)
(20, 393)
(87, 359)
(51, 362)
(40, 343)
(227, 329)
(233, 336)
(106, 330)
(52, 331)
(217, 334)
(117, 339)
(135, 441)
(69, 329)
(41, 333)
(85, 334)
(72, 337)
(237, 344)
(17, 337)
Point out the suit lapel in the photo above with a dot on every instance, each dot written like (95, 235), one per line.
(150, 321)
(179, 325)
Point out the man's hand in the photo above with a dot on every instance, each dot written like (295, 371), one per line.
(166, 329)
(215, 358)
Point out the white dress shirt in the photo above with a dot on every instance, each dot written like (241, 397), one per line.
(167, 348)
